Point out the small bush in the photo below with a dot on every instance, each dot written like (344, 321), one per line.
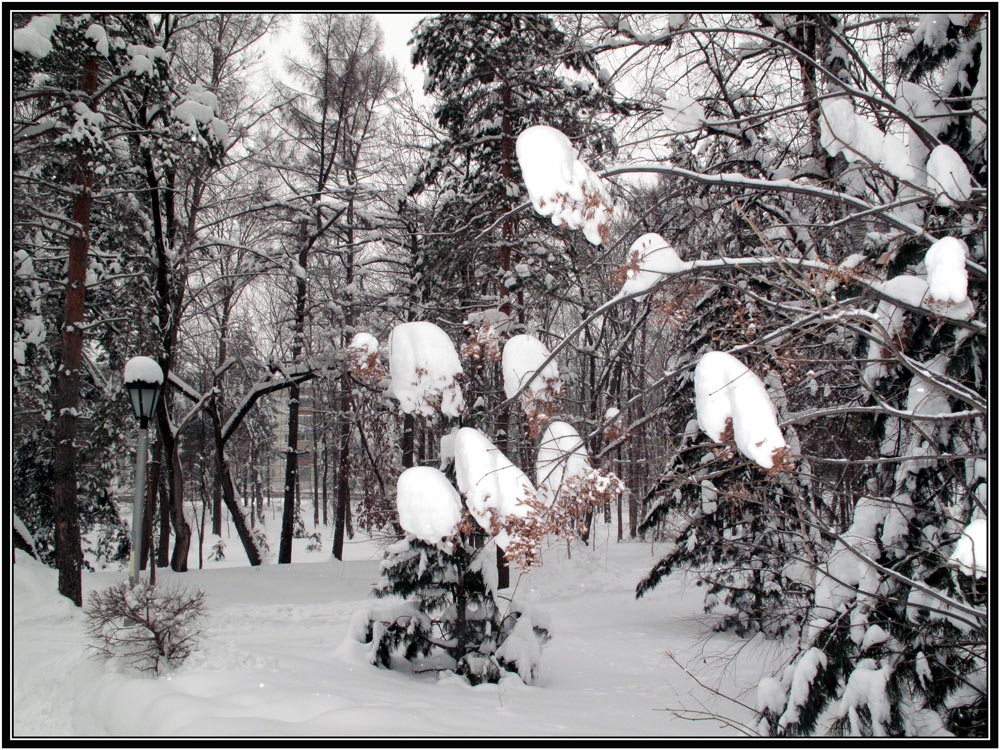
(218, 551)
(315, 542)
(146, 627)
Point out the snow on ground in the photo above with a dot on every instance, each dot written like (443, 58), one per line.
(276, 659)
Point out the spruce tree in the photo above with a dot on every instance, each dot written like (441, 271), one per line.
(450, 617)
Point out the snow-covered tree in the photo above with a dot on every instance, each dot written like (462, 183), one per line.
(830, 203)
(450, 616)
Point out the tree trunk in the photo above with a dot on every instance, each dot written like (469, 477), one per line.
(315, 463)
(291, 478)
(152, 483)
(216, 505)
(292, 449)
(343, 467)
(69, 553)
(228, 491)
(163, 546)
(182, 530)
(326, 474)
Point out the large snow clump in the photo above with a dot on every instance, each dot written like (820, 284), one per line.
(493, 487)
(562, 186)
(424, 370)
(429, 506)
(726, 391)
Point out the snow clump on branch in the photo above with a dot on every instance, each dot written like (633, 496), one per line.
(494, 488)
(424, 370)
(562, 455)
(948, 176)
(199, 109)
(33, 39)
(842, 130)
(649, 259)
(732, 403)
(521, 362)
(429, 506)
(947, 279)
(562, 186)
(971, 553)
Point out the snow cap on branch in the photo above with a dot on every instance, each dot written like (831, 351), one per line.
(200, 109)
(947, 279)
(649, 259)
(971, 553)
(562, 454)
(522, 359)
(948, 176)
(429, 506)
(424, 370)
(493, 487)
(728, 394)
(562, 186)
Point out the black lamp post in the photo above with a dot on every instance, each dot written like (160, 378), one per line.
(143, 380)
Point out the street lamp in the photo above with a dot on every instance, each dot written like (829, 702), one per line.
(143, 380)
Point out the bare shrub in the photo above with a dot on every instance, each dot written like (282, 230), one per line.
(146, 627)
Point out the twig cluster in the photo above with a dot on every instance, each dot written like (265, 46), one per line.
(145, 626)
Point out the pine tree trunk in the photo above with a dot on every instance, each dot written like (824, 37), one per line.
(69, 553)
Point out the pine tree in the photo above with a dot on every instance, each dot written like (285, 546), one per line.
(450, 617)
(493, 75)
